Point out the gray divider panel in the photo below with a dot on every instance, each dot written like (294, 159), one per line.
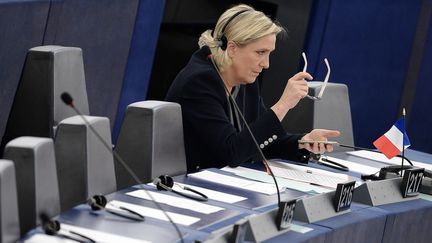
(331, 112)
(375, 193)
(9, 221)
(68, 76)
(151, 142)
(316, 208)
(48, 71)
(84, 165)
(37, 186)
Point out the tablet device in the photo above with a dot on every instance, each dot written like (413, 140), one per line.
(324, 142)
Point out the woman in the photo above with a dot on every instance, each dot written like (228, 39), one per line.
(229, 61)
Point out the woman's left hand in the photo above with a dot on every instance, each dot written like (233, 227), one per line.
(318, 135)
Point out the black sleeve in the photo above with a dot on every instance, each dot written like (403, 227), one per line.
(285, 147)
(203, 105)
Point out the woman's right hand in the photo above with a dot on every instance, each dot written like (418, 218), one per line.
(295, 89)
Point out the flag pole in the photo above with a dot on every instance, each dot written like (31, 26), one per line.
(403, 143)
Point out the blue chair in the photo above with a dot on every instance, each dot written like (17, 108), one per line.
(331, 112)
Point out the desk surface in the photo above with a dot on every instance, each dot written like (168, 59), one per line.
(397, 222)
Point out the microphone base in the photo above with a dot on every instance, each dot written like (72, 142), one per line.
(426, 186)
(263, 226)
(315, 208)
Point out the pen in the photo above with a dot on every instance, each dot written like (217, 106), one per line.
(333, 164)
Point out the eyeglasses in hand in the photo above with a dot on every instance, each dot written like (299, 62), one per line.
(320, 94)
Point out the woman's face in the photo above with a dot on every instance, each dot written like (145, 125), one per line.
(249, 60)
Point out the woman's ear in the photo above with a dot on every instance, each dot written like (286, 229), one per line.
(231, 49)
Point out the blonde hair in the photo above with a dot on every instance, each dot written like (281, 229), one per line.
(244, 28)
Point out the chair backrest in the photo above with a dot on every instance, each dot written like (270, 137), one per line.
(9, 220)
(48, 71)
(331, 112)
(84, 165)
(37, 186)
(151, 142)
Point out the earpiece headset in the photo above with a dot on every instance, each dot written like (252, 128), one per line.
(98, 202)
(222, 38)
(49, 226)
(52, 227)
(165, 183)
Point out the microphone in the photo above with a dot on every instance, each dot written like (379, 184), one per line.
(383, 171)
(165, 183)
(98, 202)
(67, 99)
(264, 159)
(52, 227)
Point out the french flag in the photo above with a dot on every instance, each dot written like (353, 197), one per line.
(390, 144)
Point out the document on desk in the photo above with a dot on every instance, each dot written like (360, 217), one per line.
(356, 167)
(178, 202)
(307, 174)
(97, 236)
(154, 213)
(211, 194)
(43, 238)
(264, 177)
(381, 158)
(232, 181)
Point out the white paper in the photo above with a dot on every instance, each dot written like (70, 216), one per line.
(211, 194)
(356, 167)
(232, 181)
(308, 169)
(300, 228)
(42, 238)
(95, 235)
(154, 213)
(307, 176)
(264, 177)
(178, 202)
(381, 158)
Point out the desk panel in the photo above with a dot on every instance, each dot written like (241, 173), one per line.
(317, 235)
(363, 225)
(409, 221)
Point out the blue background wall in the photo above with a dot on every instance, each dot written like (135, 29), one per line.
(369, 44)
(419, 126)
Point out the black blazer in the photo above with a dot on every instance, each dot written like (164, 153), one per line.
(210, 138)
